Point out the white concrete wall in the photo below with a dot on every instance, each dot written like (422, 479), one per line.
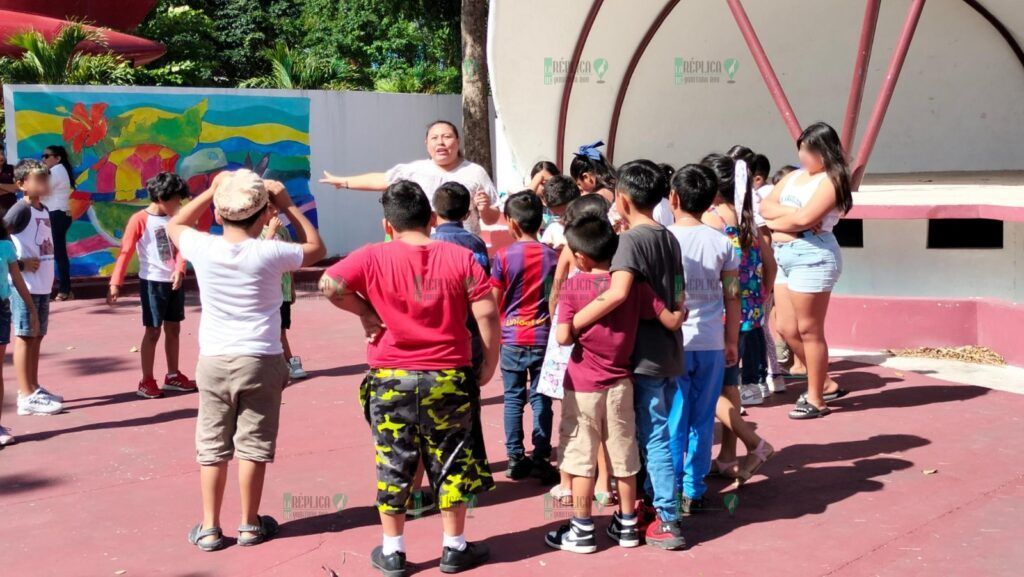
(896, 263)
(958, 105)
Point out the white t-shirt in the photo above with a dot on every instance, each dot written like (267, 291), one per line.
(35, 241)
(430, 176)
(60, 188)
(663, 213)
(758, 197)
(554, 235)
(706, 254)
(240, 290)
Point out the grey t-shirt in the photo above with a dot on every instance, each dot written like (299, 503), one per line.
(652, 254)
(706, 254)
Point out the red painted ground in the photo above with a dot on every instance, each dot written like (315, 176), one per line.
(111, 485)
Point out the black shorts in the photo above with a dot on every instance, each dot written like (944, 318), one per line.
(160, 304)
(286, 316)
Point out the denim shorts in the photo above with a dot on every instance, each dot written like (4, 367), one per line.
(810, 264)
(5, 321)
(160, 303)
(22, 320)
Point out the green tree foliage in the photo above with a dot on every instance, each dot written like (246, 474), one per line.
(385, 45)
(59, 61)
(297, 70)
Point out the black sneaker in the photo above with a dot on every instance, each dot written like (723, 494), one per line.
(624, 535)
(693, 506)
(453, 561)
(518, 468)
(545, 471)
(570, 537)
(392, 565)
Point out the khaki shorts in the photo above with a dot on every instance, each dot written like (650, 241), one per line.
(588, 419)
(239, 407)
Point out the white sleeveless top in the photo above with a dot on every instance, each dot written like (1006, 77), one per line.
(799, 195)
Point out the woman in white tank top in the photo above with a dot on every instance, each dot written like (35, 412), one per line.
(801, 212)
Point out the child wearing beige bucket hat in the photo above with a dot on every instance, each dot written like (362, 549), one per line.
(241, 369)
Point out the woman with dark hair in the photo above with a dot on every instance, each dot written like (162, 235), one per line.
(801, 212)
(540, 174)
(61, 184)
(446, 164)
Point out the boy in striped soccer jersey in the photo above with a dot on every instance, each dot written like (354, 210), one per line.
(522, 274)
(161, 271)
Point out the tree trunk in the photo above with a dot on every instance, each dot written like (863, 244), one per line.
(476, 127)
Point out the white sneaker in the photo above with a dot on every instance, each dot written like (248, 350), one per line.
(54, 396)
(766, 393)
(751, 395)
(295, 369)
(6, 438)
(38, 403)
(777, 383)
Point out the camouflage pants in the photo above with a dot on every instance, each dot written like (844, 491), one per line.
(426, 415)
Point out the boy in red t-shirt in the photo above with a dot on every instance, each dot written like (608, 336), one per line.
(413, 295)
(598, 403)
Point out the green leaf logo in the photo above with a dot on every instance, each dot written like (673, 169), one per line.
(731, 501)
(731, 66)
(600, 66)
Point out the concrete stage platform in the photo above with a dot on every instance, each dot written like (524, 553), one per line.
(111, 488)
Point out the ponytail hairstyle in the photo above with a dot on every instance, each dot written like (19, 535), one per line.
(820, 138)
(729, 190)
(589, 159)
(60, 151)
(740, 152)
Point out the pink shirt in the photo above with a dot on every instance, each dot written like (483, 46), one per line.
(423, 295)
(603, 354)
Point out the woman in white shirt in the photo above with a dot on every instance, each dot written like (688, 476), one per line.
(801, 211)
(446, 164)
(56, 159)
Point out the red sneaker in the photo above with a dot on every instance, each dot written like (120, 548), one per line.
(179, 382)
(645, 515)
(665, 535)
(148, 389)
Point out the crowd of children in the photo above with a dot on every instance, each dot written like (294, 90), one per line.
(644, 327)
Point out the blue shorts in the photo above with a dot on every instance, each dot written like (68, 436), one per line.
(22, 320)
(160, 304)
(5, 321)
(810, 264)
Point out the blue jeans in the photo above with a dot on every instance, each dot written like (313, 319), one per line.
(521, 365)
(652, 399)
(692, 420)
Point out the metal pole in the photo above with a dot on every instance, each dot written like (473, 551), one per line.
(885, 93)
(860, 72)
(570, 78)
(765, 67)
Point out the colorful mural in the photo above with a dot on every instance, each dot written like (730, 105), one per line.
(117, 141)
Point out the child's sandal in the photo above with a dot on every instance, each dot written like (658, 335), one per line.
(760, 455)
(725, 469)
(266, 530)
(197, 534)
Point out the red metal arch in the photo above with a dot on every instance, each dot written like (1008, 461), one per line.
(570, 78)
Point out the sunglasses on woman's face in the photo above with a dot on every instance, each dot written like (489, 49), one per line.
(45, 156)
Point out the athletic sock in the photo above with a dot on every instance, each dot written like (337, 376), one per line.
(394, 544)
(582, 524)
(627, 520)
(456, 543)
